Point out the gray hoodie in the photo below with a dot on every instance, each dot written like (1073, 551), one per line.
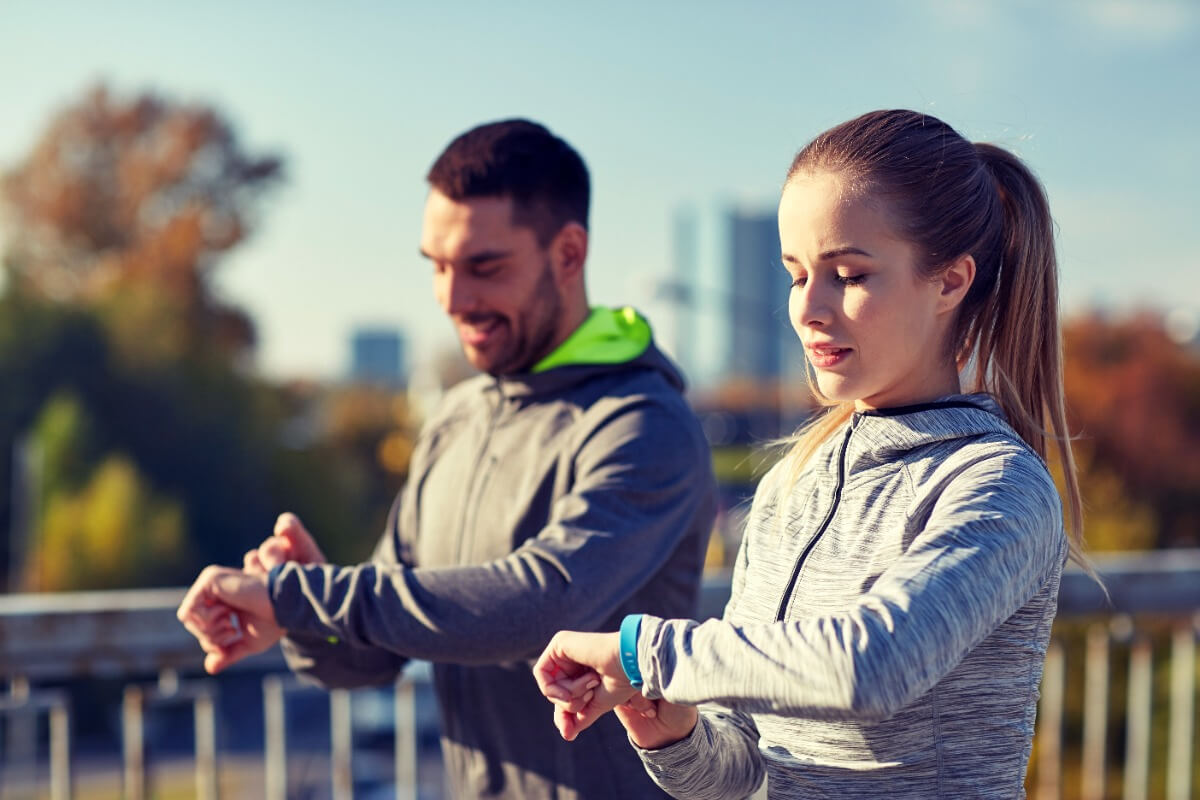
(888, 622)
(535, 503)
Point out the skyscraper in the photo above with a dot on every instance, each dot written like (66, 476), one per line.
(757, 287)
(377, 357)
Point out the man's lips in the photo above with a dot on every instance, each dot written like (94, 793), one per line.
(477, 332)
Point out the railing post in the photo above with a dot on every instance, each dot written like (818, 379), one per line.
(1137, 730)
(275, 739)
(406, 740)
(132, 744)
(60, 752)
(1095, 713)
(204, 718)
(1183, 703)
(1049, 733)
(340, 744)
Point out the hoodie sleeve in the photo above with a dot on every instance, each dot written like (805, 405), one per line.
(333, 663)
(720, 758)
(992, 540)
(642, 482)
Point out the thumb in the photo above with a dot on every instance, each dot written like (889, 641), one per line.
(302, 546)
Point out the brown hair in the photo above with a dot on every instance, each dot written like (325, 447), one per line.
(949, 198)
(516, 158)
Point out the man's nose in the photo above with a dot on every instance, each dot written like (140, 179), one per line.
(455, 292)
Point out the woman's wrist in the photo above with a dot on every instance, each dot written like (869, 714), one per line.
(671, 724)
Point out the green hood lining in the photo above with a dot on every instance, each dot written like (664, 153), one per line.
(607, 336)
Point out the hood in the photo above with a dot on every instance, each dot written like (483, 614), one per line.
(882, 435)
(609, 339)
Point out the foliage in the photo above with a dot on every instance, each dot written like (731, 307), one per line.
(1133, 397)
(130, 203)
(159, 450)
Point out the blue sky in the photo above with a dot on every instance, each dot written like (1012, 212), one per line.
(671, 104)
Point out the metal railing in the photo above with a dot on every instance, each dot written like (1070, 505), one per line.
(49, 639)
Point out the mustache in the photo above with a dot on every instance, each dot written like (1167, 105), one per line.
(478, 317)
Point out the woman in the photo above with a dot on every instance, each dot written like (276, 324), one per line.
(898, 576)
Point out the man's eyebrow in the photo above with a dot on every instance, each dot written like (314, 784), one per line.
(475, 259)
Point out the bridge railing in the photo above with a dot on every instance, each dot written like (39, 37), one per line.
(1099, 731)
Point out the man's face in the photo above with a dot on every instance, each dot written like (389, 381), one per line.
(494, 280)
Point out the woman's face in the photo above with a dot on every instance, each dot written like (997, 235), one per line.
(873, 329)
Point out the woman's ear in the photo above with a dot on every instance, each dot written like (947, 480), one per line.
(955, 281)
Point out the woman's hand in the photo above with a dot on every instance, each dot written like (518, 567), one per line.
(656, 723)
(581, 674)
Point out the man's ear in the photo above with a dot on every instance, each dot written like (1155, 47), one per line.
(568, 252)
(955, 281)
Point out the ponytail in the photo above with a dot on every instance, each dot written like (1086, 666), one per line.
(1016, 338)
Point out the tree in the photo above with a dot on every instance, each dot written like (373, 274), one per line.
(116, 222)
(128, 204)
(1133, 396)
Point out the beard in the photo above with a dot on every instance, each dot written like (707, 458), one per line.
(531, 333)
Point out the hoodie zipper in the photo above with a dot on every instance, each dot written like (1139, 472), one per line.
(480, 478)
(837, 499)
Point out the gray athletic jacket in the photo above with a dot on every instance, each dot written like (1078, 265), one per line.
(888, 622)
(535, 503)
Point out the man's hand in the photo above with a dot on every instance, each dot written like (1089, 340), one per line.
(230, 614)
(290, 542)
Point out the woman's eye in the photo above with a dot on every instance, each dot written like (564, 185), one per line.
(851, 280)
(799, 281)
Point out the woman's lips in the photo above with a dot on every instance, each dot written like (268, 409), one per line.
(825, 357)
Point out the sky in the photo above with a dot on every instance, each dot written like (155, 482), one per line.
(673, 105)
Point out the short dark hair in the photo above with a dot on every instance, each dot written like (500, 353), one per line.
(516, 158)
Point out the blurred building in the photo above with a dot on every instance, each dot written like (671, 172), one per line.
(727, 295)
(758, 294)
(377, 356)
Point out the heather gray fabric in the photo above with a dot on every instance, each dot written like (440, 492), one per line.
(927, 545)
(535, 503)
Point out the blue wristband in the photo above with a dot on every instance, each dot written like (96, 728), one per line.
(631, 626)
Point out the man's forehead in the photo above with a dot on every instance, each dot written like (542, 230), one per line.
(455, 229)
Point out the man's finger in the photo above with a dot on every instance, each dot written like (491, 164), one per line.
(224, 658)
(197, 595)
(303, 547)
(251, 562)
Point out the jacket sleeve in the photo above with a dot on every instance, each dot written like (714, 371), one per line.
(641, 478)
(333, 663)
(720, 759)
(992, 539)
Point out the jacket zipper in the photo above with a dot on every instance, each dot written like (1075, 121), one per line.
(837, 498)
(470, 510)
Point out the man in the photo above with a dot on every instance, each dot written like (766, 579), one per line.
(567, 486)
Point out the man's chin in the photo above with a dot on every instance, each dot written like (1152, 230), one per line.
(483, 361)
